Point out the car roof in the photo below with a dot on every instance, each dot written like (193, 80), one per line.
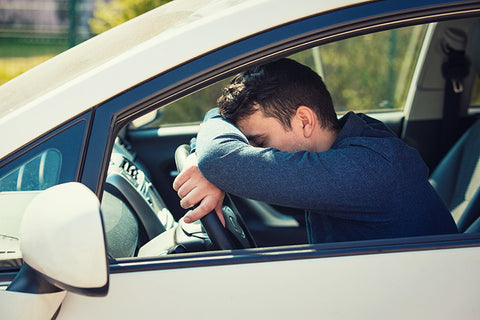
(112, 62)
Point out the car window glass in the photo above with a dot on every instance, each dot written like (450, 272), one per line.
(51, 161)
(38, 173)
(370, 72)
(17, 188)
(354, 81)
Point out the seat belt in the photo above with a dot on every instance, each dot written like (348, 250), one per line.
(454, 70)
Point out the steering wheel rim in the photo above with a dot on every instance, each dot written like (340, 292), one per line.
(234, 235)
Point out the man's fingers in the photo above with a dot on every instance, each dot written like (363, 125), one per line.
(193, 189)
(190, 168)
(207, 205)
(185, 189)
(192, 198)
(179, 180)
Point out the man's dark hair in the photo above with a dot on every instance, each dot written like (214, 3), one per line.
(279, 88)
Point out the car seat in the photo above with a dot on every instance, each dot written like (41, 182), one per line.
(457, 177)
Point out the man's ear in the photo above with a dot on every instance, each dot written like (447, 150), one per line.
(307, 119)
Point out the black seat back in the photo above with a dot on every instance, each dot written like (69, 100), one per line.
(457, 177)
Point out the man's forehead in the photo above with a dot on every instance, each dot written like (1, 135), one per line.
(250, 119)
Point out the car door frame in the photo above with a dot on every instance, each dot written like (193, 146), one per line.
(110, 117)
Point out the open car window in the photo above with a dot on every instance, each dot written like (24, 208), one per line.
(142, 171)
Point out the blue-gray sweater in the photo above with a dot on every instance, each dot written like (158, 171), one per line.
(368, 185)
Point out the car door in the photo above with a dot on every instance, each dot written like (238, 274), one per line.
(396, 278)
(307, 282)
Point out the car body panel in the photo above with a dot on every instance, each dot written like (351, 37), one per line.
(370, 286)
(13, 304)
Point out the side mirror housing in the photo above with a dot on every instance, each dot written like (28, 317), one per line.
(63, 246)
(62, 238)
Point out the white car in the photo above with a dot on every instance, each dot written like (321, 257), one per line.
(90, 227)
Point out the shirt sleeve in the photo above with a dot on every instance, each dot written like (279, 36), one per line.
(319, 180)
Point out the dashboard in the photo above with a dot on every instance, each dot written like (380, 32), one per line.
(136, 219)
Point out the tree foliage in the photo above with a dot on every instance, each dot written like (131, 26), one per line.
(110, 14)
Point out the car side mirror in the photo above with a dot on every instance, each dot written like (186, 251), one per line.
(63, 246)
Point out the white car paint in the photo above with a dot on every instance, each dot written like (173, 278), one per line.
(179, 41)
(13, 304)
(403, 285)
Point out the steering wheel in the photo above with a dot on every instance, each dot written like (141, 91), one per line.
(234, 235)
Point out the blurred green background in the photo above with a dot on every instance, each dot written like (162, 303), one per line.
(32, 31)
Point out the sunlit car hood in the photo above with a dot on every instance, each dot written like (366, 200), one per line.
(116, 60)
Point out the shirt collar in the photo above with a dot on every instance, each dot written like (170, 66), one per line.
(352, 126)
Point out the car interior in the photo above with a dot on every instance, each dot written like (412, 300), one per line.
(456, 178)
(142, 213)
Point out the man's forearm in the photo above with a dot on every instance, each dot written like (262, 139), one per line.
(312, 180)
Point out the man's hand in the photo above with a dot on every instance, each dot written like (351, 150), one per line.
(193, 188)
